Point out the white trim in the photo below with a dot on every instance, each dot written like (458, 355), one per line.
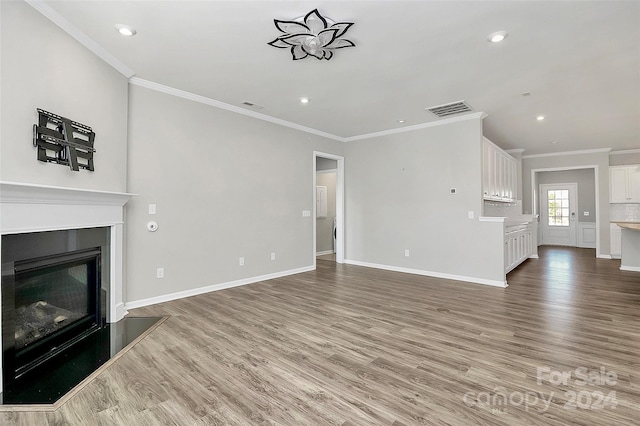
(216, 287)
(630, 268)
(492, 219)
(81, 37)
(326, 171)
(26, 193)
(515, 150)
(228, 107)
(324, 253)
(625, 151)
(340, 218)
(450, 120)
(604, 256)
(422, 272)
(554, 154)
(534, 256)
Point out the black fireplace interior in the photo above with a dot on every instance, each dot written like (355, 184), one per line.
(52, 294)
(56, 301)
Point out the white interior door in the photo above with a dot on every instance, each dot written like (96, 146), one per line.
(558, 218)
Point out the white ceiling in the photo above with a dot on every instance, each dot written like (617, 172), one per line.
(579, 60)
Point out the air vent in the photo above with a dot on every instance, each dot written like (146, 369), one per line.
(450, 109)
(252, 105)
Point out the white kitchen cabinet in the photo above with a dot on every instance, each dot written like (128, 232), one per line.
(624, 184)
(499, 173)
(616, 241)
(518, 245)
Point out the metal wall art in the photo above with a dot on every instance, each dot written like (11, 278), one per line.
(63, 141)
(312, 35)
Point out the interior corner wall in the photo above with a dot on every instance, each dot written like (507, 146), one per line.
(398, 198)
(44, 67)
(600, 159)
(225, 186)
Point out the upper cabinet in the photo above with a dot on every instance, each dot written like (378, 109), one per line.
(624, 184)
(499, 173)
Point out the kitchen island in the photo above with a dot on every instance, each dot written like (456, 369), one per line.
(630, 254)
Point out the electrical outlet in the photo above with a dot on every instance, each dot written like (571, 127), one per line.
(586, 213)
(406, 253)
(306, 213)
(470, 214)
(273, 256)
(160, 273)
(152, 209)
(241, 261)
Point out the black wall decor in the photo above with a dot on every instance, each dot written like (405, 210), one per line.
(63, 141)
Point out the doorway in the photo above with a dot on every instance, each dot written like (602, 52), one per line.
(558, 220)
(328, 207)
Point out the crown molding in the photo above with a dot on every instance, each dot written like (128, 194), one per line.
(556, 154)
(80, 36)
(233, 108)
(625, 151)
(476, 115)
(514, 151)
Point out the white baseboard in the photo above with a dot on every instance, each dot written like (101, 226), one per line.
(630, 268)
(606, 256)
(534, 256)
(475, 280)
(216, 287)
(322, 253)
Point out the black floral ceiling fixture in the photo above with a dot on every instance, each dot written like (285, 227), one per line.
(312, 35)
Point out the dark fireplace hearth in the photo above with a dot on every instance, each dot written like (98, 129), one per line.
(52, 295)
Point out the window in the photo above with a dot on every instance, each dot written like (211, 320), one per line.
(558, 207)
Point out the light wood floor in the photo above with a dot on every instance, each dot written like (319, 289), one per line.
(347, 345)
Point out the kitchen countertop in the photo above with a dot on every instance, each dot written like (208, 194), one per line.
(629, 225)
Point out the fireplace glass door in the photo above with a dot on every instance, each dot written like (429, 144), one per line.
(56, 301)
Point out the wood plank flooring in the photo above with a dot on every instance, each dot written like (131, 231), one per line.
(347, 345)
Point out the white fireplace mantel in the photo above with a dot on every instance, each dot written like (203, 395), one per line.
(28, 208)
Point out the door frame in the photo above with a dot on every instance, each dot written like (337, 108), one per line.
(535, 205)
(339, 204)
(573, 187)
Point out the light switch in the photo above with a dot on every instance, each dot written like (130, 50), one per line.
(470, 214)
(306, 213)
(586, 213)
(152, 209)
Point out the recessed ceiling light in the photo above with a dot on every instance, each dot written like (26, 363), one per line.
(304, 100)
(125, 30)
(497, 37)
(554, 142)
(540, 117)
(401, 121)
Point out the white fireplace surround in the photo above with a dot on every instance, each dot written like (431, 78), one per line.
(28, 208)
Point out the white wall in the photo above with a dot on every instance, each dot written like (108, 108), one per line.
(225, 186)
(397, 198)
(600, 159)
(43, 67)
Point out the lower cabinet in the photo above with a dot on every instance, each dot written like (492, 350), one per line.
(518, 245)
(616, 241)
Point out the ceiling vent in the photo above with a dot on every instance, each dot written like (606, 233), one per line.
(450, 109)
(252, 105)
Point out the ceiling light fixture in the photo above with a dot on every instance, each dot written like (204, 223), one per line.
(540, 117)
(401, 121)
(125, 30)
(304, 100)
(311, 35)
(497, 37)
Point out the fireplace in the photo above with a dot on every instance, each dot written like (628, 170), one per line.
(52, 294)
(49, 226)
